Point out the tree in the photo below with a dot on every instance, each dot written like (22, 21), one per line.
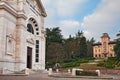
(117, 49)
(71, 48)
(54, 47)
(55, 54)
(66, 50)
(117, 46)
(79, 34)
(83, 48)
(90, 47)
(53, 35)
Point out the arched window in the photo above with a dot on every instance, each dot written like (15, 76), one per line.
(30, 28)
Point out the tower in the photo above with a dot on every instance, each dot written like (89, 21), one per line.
(105, 39)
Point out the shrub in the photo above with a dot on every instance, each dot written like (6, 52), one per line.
(74, 62)
(109, 65)
(69, 60)
(85, 73)
(101, 64)
(111, 62)
(66, 65)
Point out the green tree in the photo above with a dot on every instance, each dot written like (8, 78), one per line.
(83, 48)
(90, 47)
(53, 35)
(54, 47)
(59, 49)
(55, 54)
(71, 48)
(117, 46)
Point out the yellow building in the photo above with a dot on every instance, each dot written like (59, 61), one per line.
(105, 48)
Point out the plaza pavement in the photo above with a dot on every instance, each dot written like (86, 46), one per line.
(44, 76)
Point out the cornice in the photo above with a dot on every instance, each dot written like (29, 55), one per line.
(11, 10)
(43, 12)
(20, 14)
(7, 7)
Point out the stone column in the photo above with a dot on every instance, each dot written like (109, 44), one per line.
(74, 72)
(43, 52)
(21, 48)
(69, 71)
(21, 28)
(2, 37)
(50, 71)
(98, 72)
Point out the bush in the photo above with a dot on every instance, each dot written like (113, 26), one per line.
(86, 73)
(69, 60)
(111, 62)
(75, 62)
(101, 64)
(71, 64)
(110, 66)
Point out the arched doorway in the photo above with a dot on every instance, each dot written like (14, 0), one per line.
(29, 49)
(33, 31)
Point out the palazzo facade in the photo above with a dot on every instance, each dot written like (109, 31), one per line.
(105, 48)
(22, 35)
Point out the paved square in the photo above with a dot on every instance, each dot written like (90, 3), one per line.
(42, 76)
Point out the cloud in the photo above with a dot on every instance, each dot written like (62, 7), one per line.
(68, 7)
(69, 27)
(104, 18)
(60, 9)
(57, 9)
(50, 20)
(88, 34)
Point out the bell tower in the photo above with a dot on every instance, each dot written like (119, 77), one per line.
(105, 39)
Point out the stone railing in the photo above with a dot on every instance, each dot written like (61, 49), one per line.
(73, 72)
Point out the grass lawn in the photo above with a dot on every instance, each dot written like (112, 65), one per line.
(93, 63)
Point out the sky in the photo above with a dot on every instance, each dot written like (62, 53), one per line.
(93, 17)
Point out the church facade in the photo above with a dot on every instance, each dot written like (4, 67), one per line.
(22, 35)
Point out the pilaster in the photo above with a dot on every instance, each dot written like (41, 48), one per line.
(20, 37)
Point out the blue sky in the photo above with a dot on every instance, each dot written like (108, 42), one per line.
(93, 17)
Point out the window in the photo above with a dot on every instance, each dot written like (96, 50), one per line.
(36, 60)
(111, 55)
(37, 55)
(99, 56)
(37, 29)
(35, 25)
(37, 41)
(96, 55)
(95, 50)
(99, 50)
(30, 28)
(37, 51)
(37, 33)
(37, 46)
